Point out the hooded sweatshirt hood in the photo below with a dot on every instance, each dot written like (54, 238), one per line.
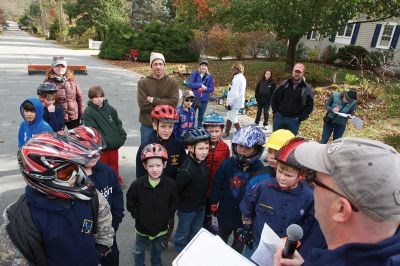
(38, 125)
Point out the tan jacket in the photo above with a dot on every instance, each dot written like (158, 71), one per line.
(164, 91)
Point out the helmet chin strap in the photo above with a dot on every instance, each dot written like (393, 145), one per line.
(193, 154)
(242, 160)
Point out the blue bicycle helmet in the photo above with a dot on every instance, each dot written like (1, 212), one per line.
(213, 119)
(249, 136)
(194, 135)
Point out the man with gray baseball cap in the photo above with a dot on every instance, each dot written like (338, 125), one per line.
(357, 202)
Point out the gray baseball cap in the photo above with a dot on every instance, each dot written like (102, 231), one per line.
(59, 60)
(367, 171)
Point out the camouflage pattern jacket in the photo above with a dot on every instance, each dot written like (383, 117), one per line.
(18, 227)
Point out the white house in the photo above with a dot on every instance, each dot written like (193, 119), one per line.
(370, 35)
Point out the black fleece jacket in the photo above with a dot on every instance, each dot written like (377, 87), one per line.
(192, 183)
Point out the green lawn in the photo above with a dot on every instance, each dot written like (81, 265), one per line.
(380, 114)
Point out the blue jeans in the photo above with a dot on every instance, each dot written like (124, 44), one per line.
(140, 248)
(200, 115)
(248, 252)
(189, 224)
(260, 108)
(283, 122)
(145, 133)
(337, 129)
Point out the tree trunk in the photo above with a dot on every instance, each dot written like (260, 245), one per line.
(291, 52)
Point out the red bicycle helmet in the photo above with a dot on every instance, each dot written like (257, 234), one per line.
(286, 153)
(165, 113)
(88, 136)
(49, 160)
(154, 150)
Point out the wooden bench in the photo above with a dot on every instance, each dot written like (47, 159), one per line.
(41, 69)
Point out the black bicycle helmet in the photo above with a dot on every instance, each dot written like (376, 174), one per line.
(46, 87)
(194, 135)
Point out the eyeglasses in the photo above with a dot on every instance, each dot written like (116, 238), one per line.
(320, 184)
(189, 99)
(66, 173)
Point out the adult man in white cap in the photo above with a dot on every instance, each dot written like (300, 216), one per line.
(357, 202)
(293, 101)
(155, 89)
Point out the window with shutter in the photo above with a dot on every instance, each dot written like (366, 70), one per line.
(386, 36)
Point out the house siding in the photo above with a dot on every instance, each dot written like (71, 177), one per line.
(364, 39)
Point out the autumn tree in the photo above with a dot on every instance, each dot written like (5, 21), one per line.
(219, 41)
(99, 14)
(201, 14)
(145, 11)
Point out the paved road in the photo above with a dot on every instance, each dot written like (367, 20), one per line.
(17, 50)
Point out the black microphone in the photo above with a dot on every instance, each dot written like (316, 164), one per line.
(294, 234)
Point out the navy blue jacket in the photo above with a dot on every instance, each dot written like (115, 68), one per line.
(38, 125)
(229, 186)
(384, 253)
(267, 203)
(54, 119)
(176, 155)
(66, 229)
(106, 182)
(195, 83)
(186, 121)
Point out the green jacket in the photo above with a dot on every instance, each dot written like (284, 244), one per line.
(106, 121)
(347, 108)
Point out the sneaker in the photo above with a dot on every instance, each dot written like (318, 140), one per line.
(266, 128)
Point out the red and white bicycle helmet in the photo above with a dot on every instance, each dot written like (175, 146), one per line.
(286, 153)
(165, 113)
(154, 150)
(49, 161)
(88, 136)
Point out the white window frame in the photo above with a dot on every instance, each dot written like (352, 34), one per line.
(342, 39)
(378, 42)
(345, 29)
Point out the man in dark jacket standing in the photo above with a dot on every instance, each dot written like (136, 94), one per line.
(357, 202)
(155, 89)
(293, 101)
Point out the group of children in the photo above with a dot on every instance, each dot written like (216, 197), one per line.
(193, 174)
(102, 131)
(189, 171)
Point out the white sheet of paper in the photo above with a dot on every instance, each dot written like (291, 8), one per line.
(357, 122)
(343, 114)
(264, 254)
(208, 249)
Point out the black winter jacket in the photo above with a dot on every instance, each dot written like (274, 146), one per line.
(307, 98)
(152, 207)
(192, 183)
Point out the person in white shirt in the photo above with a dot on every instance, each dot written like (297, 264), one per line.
(235, 98)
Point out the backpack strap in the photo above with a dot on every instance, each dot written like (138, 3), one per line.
(24, 233)
(95, 210)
